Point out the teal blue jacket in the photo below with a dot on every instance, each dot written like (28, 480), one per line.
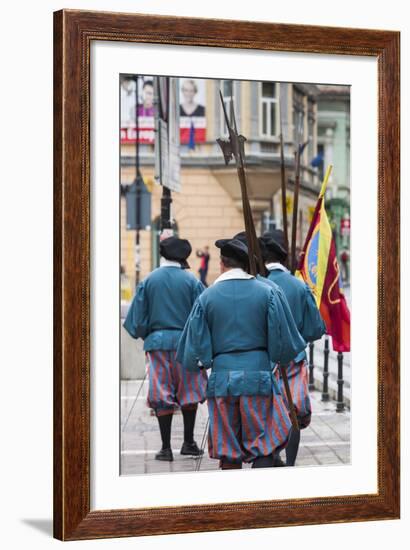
(238, 327)
(302, 305)
(161, 306)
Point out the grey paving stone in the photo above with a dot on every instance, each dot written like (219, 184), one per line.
(325, 442)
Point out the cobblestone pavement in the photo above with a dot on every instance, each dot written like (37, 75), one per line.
(325, 441)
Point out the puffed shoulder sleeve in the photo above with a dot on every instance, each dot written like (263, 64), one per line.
(197, 289)
(284, 339)
(313, 325)
(195, 345)
(137, 320)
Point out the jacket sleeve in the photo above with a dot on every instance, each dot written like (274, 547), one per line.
(313, 325)
(197, 289)
(137, 321)
(284, 339)
(195, 345)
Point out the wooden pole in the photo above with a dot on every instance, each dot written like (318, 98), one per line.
(283, 180)
(296, 201)
(235, 148)
(236, 142)
(292, 410)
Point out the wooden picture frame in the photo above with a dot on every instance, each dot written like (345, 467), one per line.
(74, 32)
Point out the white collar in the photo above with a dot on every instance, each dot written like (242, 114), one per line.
(163, 262)
(276, 265)
(234, 273)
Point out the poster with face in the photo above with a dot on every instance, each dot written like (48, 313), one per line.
(145, 110)
(127, 102)
(192, 99)
(192, 110)
(146, 96)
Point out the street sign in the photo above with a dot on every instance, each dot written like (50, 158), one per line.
(138, 205)
(174, 152)
(167, 143)
(164, 153)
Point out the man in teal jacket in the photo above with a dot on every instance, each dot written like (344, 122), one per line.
(238, 327)
(308, 321)
(157, 314)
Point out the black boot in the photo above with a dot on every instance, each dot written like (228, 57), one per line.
(277, 461)
(191, 449)
(292, 447)
(165, 453)
(189, 446)
(227, 465)
(189, 416)
(263, 462)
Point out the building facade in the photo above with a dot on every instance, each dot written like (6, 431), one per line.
(208, 207)
(333, 119)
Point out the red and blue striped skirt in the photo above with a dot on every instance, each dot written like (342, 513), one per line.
(170, 385)
(299, 388)
(242, 428)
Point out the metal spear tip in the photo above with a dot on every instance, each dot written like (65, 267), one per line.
(226, 149)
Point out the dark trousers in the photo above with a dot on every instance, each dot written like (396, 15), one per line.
(202, 275)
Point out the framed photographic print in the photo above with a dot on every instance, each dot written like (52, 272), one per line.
(202, 170)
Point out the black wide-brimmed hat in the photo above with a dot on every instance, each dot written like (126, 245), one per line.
(176, 249)
(274, 241)
(233, 248)
(241, 236)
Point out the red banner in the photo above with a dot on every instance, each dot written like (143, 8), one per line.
(147, 135)
(320, 270)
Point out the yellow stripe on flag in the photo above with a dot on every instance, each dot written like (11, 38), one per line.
(325, 239)
(325, 180)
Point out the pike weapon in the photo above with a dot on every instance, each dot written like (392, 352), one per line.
(234, 147)
(202, 446)
(283, 180)
(292, 410)
(299, 151)
(135, 401)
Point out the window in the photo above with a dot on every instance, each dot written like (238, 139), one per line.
(321, 152)
(298, 115)
(228, 93)
(128, 102)
(311, 131)
(269, 109)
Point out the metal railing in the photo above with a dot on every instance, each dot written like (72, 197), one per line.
(340, 399)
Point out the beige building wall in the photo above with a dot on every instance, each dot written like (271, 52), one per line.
(204, 212)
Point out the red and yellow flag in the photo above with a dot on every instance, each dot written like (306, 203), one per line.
(319, 268)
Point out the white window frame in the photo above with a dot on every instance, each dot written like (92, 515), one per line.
(269, 101)
(227, 100)
(312, 145)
